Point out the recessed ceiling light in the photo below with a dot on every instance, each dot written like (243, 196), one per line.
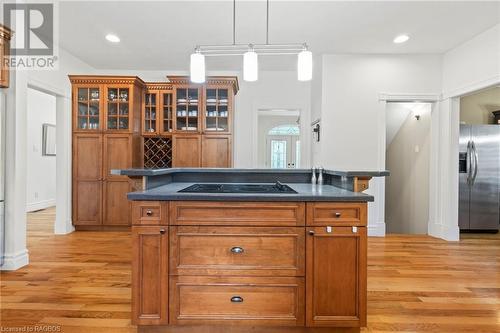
(112, 38)
(401, 39)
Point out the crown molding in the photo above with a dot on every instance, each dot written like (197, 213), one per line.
(215, 80)
(158, 85)
(5, 33)
(105, 79)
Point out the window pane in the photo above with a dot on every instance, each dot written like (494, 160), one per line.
(297, 154)
(285, 130)
(278, 154)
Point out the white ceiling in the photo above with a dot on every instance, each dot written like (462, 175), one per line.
(159, 35)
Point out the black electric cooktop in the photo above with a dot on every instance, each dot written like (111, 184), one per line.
(239, 188)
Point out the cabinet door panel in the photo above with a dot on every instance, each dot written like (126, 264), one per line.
(87, 156)
(117, 154)
(150, 275)
(116, 204)
(186, 151)
(216, 152)
(87, 202)
(336, 276)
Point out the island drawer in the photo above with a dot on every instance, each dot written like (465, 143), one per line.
(149, 213)
(237, 213)
(237, 300)
(243, 251)
(336, 214)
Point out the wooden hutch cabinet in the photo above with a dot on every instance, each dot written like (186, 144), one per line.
(106, 124)
(121, 122)
(5, 35)
(192, 122)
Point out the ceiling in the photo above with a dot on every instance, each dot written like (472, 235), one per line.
(160, 35)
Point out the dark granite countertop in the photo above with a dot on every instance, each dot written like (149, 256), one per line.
(305, 192)
(167, 171)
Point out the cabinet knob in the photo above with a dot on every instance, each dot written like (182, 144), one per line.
(337, 214)
(237, 299)
(162, 231)
(149, 212)
(237, 250)
(311, 232)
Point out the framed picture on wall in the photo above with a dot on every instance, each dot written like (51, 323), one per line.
(48, 140)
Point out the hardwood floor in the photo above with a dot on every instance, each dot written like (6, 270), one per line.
(81, 283)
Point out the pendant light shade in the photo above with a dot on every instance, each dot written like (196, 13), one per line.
(304, 65)
(250, 66)
(197, 67)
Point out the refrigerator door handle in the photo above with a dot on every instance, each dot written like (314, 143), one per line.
(469, 163)
(476, 162)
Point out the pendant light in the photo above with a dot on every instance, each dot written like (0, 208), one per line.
(197, 67)
(251, 53)
(304, 65)
(250, 65)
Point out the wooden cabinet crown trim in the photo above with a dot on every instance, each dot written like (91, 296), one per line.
(210, 80)
(5, 33)
(104, 79)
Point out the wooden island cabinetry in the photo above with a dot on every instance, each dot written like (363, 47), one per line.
(249, 263)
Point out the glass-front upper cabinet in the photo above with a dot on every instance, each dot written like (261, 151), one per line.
(187, 109)
(217, 110)
(88, 108)
(151, 105)
(167, 124)
(118, 108)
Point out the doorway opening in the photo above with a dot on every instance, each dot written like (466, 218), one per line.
(279, 139)
(408, 143)
(41, 160)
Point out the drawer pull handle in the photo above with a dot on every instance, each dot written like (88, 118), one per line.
(149, 212)
(162, 231)
(237, 250)
(337, 215)
(237, 299)
(311, 232)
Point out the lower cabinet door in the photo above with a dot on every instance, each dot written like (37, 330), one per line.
(336, 276)
(236, 300)
(186, 151)
(116, 205)
(87, 205)
(216, 151)
(150, 275)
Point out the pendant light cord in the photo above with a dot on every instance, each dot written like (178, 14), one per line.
(267, 22)
(234, 22)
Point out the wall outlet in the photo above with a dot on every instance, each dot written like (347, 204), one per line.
(417, 149)
(36, 195)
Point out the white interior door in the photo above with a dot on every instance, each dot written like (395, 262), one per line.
(283, 152)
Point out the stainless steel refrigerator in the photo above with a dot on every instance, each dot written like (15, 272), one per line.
(479, 173)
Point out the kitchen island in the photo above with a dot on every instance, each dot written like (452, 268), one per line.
(243, 248)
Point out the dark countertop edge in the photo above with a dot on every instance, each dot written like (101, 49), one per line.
(159, 172)
(137, 196)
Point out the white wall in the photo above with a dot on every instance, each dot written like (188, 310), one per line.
(41, 170)
(471, 66)
(273, 90)
(57, 83)
(353, 117)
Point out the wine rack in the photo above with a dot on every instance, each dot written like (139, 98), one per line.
(157, 152)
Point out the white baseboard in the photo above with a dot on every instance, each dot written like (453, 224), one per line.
(34, 206)
(12, 262)
(376, 229)
(441, 231)
(63, 228)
